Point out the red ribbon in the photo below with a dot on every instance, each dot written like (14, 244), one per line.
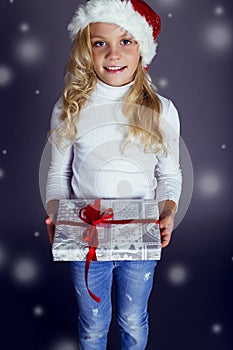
(92, 216)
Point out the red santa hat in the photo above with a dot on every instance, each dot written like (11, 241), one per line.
(134, 16)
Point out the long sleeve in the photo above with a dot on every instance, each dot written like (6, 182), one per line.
(60, 167)
(167, 171)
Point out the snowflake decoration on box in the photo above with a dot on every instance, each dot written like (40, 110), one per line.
(126, 213)
(127, 232)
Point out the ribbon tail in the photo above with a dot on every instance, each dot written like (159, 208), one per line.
(91, 256)
(97, 204)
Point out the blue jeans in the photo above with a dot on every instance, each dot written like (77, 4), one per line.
(133, 284)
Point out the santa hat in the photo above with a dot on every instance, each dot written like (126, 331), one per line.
(134, 16)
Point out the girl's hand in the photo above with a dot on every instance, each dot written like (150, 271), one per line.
(52, 209)
(166, 221)
(50, 228)
(166, 224)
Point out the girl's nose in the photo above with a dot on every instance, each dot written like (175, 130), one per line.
(113, 52)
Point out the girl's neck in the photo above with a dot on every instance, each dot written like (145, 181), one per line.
(112, 92)
(115, 87)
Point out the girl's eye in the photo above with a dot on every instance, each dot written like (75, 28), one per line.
(99, 44)
(126, 42)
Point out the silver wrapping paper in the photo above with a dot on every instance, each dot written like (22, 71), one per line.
(140, 241)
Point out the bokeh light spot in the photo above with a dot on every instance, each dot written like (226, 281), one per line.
(2, 173)
(216, 328)
(38, 311)
(210, 184)
(218, 37)
(219, 10)
(177, 274)
(29, 50)
(163, 82)
(25, 271)
(4, 151)
(24, 27)
(65, 344)
(6, 75)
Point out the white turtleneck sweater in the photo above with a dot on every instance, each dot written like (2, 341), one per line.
(95, 167)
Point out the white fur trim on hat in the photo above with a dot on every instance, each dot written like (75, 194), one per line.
(122, 14)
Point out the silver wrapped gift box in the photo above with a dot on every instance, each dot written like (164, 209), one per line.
(133, 234)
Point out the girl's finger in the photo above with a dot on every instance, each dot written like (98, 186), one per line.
(48, 220)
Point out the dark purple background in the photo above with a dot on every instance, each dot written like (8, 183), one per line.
(191, 303)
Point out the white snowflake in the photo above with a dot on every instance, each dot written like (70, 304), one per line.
(218, 37)
(163, 82)
(29, 50)
(36, 234)
(4, 151)
(6, 75)
(25, 271)
(24, 27)
(219, 10)
(65, 344)
(38, 310)
(209, 184)
(2, 173)
(37, 92)
(223, 146)
(216, 328)
(177, 274)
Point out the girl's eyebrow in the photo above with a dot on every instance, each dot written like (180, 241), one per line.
(97, 36)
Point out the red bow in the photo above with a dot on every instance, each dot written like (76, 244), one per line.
(92, 215)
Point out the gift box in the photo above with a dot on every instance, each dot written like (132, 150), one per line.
(118, 229)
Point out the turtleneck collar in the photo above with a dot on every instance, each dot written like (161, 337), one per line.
(112, 93)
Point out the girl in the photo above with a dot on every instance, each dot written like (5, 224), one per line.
(100, 151)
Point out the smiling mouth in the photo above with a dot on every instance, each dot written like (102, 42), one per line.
(115, 69)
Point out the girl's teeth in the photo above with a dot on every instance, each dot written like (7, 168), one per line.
(113, 68)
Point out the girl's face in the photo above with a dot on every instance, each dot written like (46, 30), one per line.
(115, 54)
